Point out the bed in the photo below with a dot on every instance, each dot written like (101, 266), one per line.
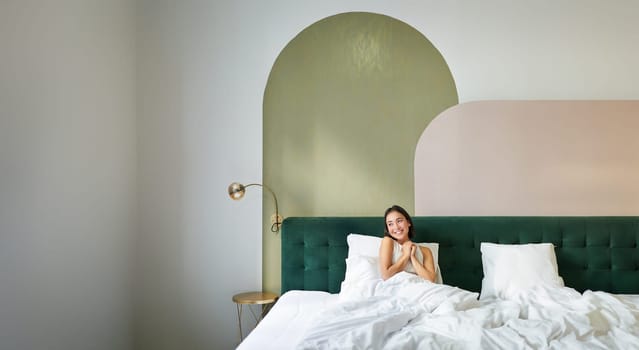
(595, 259)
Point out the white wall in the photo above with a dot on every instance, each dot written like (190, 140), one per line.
(67, 174)
(203, 69)
(197, 135)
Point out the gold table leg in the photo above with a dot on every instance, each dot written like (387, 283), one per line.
(265, 309)
(239, 320)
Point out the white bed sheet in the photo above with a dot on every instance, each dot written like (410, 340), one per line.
(288, 320)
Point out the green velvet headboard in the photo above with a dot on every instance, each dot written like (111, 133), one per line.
(596, 253)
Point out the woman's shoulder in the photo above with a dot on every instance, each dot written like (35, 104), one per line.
(387, 241)
(386, 246)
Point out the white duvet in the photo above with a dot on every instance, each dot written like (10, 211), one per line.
(406, 312)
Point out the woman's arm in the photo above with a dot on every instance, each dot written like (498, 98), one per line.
(386, 266)
(427, 269)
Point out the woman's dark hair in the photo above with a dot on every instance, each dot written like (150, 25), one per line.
(402, 211)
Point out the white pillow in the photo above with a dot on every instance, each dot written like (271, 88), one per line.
(363, 245)
(368, 246)
(511, 268)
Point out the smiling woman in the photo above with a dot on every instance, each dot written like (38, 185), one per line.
(344, 106)
(398, 252)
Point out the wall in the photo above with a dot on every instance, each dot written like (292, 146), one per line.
(197, 134)
(67, 174)
(344, 106)
(67, 135)
(530, 158)
(206, 65)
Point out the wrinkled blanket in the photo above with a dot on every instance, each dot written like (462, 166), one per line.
(407, 312)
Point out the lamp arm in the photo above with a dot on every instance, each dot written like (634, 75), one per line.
(276, 225)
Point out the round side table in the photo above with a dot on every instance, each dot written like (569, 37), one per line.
(265, 299)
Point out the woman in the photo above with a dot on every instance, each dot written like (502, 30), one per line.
(398, 253)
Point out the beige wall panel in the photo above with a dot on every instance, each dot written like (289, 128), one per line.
(530, 158)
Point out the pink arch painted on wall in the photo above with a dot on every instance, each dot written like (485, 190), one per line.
(530, 158)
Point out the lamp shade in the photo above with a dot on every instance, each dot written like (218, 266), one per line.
(236, 191)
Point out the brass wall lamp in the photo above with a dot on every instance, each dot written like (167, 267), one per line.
(236, 192)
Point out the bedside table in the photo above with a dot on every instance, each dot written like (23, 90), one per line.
(265, 299)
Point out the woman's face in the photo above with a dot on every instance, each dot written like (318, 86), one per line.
(397, 226)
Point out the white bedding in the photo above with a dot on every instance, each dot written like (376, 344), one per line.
(286, 322)
(407, 312)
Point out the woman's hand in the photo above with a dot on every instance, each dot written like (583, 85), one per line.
(413, 257)
(408, 249)
(387, 266)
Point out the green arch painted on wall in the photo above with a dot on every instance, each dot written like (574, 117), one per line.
(344, 107)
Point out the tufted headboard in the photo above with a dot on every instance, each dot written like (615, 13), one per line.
(596, 253)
